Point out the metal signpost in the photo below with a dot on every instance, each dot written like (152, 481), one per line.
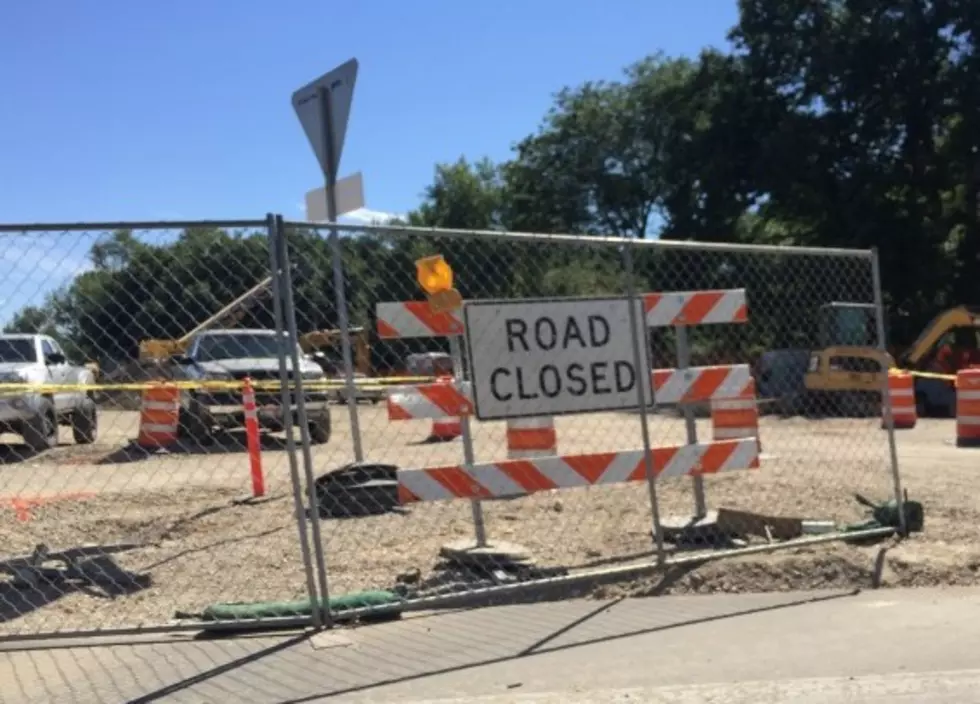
(323, 108)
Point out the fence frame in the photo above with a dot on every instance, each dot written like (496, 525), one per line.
(626, 248)
(311, 545)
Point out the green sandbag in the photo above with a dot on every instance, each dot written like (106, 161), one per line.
(302, 607)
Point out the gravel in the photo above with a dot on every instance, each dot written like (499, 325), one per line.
(197, 545)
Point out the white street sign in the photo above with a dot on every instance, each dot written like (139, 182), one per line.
(349, 192)
(339, 83)
(552, 357)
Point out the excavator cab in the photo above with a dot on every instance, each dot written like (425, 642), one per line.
(847, 372)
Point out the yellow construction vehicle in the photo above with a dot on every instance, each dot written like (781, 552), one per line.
(161, 350)
(325, 347)
(957, 328)
(847, 372)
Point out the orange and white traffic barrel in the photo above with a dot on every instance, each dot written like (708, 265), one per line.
(736, 418)
(159, 415)
(968, 407)
(449, 428)
(901, 391)
(531, 437)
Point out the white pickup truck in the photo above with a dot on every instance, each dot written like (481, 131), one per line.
(36, 415)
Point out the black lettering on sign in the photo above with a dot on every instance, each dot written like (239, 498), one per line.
(598, 371)
(550, 380)
(516, 330)
(546, 333)
(572, 332)
(577, 384)
(598, 330)
(522, 392)
(625, 376)
(494, 390)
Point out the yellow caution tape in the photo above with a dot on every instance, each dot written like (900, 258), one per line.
(273, 385)
(934, 375)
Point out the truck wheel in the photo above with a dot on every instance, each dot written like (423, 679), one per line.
(85, 423)
(41, 432)
(193, 424)
(320, 429)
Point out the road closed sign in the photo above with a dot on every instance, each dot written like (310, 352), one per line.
(552, 357)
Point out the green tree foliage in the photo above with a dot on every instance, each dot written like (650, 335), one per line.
(845, 123)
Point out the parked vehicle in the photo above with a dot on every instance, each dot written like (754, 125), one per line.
(36, 415)
(232, 355)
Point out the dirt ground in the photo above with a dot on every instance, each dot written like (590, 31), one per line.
(190, 543)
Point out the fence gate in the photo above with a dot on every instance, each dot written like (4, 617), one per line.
(600, 412)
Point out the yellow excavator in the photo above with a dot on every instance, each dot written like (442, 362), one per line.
(957, 327)
(845, 374)
(161, 350)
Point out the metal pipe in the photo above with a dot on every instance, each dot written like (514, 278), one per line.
(300, 514)
(126, 225)
(591, 241)
(339, 284)
(609, 574)
(289, 312)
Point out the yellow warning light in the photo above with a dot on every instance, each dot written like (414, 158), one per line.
(434, 274)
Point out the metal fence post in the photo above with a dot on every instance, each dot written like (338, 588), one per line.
(651, 474)
(886, 398)
(275, 267)
(292, 344)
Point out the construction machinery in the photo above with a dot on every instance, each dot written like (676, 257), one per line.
(956, 328)
(847, 371)
(326, 348)
(161, 350)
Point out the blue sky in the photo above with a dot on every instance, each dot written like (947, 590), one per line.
(122, 110)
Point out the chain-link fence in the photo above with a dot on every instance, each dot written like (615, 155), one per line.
(754, 444)
(225, 419)
(127, 494)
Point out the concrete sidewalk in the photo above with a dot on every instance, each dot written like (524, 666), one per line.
(896, 645)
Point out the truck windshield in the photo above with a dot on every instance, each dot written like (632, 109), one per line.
(17, 350)
(215, 347)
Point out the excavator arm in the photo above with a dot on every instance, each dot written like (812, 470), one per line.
(231, 313)
(938, 327)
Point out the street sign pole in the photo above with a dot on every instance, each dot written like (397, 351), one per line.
(339, 285)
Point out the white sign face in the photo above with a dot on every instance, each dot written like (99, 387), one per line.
(552, 357)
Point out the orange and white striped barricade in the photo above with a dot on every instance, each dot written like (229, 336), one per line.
(444, 402)
(252, 439)
(968, 407)
(729, 389)
(449, 427)
(736, 418)
(510, 478)
(159, 415)
(901, 392)
(680, 310)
